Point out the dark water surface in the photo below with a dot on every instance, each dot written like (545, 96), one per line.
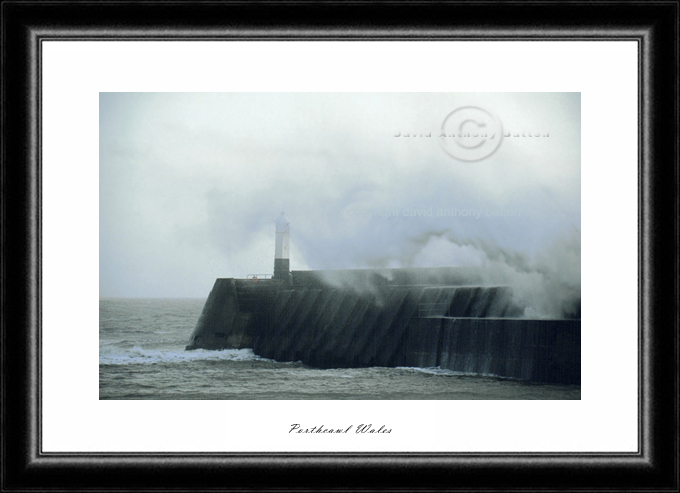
(142, 356)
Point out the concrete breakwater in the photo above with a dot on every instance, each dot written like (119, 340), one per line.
(414, 318)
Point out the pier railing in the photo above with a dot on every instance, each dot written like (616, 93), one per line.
(258, 277)
(429, 310)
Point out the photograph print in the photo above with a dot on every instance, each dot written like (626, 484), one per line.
(340, 246)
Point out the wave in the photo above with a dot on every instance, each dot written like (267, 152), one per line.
(139, 356)
(443, 371)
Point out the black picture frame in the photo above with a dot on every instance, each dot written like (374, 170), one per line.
(654, 25)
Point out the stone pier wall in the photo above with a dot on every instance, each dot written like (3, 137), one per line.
(469, 329)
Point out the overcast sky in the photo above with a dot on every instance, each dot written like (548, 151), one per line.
(190, 186)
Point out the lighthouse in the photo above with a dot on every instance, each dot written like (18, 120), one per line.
(282, 251)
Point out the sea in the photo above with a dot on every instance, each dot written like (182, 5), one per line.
(142, 356)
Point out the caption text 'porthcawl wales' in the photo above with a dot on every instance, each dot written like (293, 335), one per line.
(360, 429)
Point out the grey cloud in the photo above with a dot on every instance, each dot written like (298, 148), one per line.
(190, 185)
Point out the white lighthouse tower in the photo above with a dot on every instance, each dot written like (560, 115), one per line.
(282, 250)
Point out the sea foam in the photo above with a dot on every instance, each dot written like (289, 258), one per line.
(443, 371)
(140, 356)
